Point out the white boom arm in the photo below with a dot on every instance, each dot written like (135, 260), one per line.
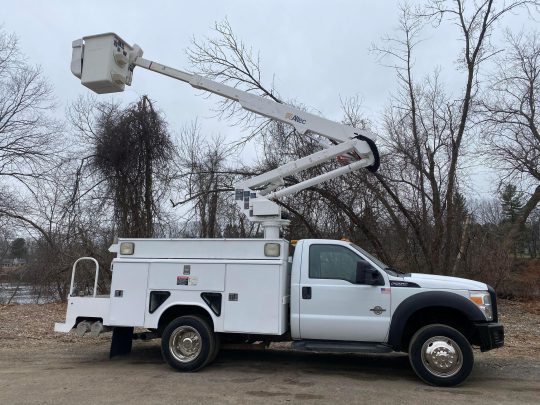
(105, 64)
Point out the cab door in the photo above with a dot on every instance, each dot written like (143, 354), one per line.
(332, 305)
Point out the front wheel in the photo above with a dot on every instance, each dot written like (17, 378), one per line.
(187, 343)
(441, 355)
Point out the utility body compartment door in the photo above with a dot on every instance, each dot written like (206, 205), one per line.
(128, 294)
(332, 306)
(254, 299)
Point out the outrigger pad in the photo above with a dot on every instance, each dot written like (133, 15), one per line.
(122, 339)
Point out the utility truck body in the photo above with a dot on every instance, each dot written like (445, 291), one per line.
(328, 295)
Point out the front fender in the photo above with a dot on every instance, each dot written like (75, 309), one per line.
(428, 299)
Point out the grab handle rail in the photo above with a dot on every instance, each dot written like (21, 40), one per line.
(73, 274)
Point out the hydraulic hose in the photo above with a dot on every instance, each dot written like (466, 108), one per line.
(377, 161)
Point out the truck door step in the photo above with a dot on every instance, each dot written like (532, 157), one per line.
(337, 346)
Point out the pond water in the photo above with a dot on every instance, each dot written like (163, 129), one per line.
(24, 295)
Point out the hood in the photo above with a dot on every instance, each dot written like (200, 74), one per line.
(452, 283)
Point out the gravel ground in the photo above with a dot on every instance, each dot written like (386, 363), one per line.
(521, 322)
(40, 366)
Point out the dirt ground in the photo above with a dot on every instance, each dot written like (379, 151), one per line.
(38, 366)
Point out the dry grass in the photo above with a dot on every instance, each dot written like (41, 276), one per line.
(33, 324)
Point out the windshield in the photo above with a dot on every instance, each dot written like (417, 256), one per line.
(383, 266)
(370, 257)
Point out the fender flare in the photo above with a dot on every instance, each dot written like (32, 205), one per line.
(159, 314)
(427, 299)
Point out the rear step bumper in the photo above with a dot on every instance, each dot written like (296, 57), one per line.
(337, 346)
(84, 308)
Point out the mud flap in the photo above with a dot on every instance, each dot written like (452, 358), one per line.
(122, 339)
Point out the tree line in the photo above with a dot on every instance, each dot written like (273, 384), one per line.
(124, 174)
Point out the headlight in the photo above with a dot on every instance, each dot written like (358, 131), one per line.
(482, 299)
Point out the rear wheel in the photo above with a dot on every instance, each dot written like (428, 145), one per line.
(441, 355)
(217, 347)
(187, 343)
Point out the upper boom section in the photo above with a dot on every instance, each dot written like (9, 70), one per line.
(105, 64)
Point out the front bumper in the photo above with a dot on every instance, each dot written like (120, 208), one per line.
(490, 335)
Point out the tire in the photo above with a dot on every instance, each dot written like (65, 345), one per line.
(217, 347)
(187, 343)
(441, 355)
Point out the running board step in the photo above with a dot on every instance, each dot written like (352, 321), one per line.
(337, 346)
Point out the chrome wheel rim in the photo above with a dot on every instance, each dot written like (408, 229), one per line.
(185, 344)
(441, 356)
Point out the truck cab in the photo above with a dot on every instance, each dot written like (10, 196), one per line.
(338, 292)
(345, 299)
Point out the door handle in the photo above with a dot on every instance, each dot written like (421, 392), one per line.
(306, 293)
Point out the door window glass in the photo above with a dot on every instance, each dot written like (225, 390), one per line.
(333, 262)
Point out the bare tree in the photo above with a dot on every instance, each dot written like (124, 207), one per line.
(130, 152)
(476, 21)
(228, 59)
(205, 177)
(428, 131)
(27, 133)
(28, 136)
(120, 172)
(511, 120)
(63, 228)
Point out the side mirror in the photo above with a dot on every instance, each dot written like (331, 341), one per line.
(365, 274)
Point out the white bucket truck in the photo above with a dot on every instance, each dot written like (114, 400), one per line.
(330, 296)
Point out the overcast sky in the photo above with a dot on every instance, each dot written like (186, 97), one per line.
(317, 51)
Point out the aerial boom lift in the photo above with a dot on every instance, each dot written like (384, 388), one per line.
(105, 64)
(330, 296)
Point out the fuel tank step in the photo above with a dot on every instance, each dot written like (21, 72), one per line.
(337, 346)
